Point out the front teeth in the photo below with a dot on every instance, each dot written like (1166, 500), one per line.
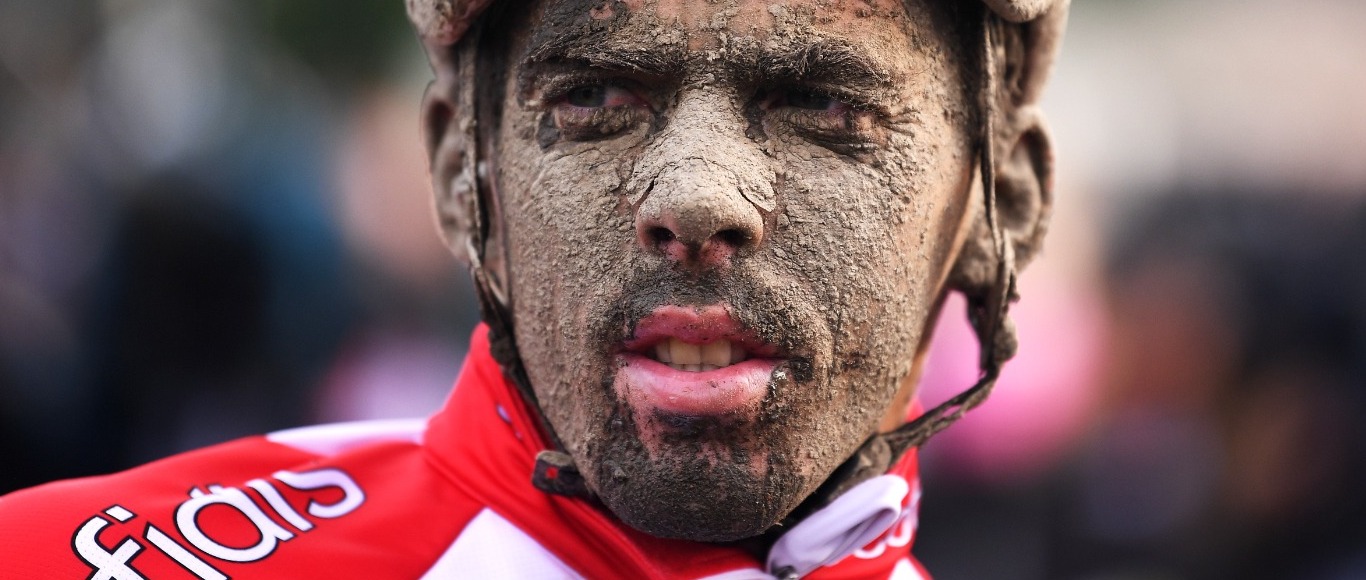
(697, 358)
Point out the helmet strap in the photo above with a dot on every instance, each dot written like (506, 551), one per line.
(555, 471)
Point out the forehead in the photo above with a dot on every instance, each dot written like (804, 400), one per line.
(764, 18)
(878, 38)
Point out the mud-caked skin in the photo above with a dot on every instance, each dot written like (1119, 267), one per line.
(806, 166)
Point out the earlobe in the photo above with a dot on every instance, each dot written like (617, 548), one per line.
(1024, 202)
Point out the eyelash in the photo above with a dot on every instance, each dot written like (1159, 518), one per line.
(843, 123)
(588, 123)
(847, 125)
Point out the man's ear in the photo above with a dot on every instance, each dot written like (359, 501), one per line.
(450, 145)
(1024, 202)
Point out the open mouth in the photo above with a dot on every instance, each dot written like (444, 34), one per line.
(696, 340)
(696, 361)
(684, 356)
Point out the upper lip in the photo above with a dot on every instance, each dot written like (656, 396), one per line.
(696, 325)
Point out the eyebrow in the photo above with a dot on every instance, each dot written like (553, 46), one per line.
(822, 62)
(651, 62)
(586, 48)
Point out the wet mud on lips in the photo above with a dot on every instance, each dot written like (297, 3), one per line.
(694, 362)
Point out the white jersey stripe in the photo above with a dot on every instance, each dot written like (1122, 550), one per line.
(337, 438)
(491, 548)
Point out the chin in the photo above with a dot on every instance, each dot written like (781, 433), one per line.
(708, 479)
(700, 493)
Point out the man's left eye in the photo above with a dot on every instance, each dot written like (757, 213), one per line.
(819, 116)
(811, 101)
(806, 100)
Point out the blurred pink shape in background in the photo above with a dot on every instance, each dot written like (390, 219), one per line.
(1043, 401)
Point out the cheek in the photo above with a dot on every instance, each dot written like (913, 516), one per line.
(565, 232)
(859, 239)
(563, 206)
(871, 242)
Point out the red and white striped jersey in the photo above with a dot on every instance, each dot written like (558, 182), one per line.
(448, 497)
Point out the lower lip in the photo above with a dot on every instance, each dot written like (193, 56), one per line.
(648, 385)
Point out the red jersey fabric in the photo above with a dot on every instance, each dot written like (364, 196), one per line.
(450, 497)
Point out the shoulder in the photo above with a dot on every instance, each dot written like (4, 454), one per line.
(272, 504)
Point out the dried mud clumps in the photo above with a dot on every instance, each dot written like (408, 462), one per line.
(831, 144)
(852, 214)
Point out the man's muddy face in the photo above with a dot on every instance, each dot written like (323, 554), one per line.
(726, 224)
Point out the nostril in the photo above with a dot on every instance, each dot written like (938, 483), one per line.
(660, 235)
(733, 237)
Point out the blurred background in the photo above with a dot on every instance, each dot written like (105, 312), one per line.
(214, 222)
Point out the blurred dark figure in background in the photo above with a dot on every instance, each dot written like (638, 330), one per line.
(189, 303)
(1234, 441)
(182, 257)
(1231, 441)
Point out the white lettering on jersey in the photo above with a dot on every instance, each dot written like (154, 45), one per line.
(187, 521)
(277, 502)
(113, 564)
(898, 537)
(901, 532)
(107, 564)
(324, 478)
(181, 555)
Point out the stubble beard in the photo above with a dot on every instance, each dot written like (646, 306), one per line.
(707, 487)
(711, 479)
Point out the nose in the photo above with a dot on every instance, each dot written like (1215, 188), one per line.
(695, 213)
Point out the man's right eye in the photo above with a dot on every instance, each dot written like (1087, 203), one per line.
(598, 96)
(594, 111)
(589, 96)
